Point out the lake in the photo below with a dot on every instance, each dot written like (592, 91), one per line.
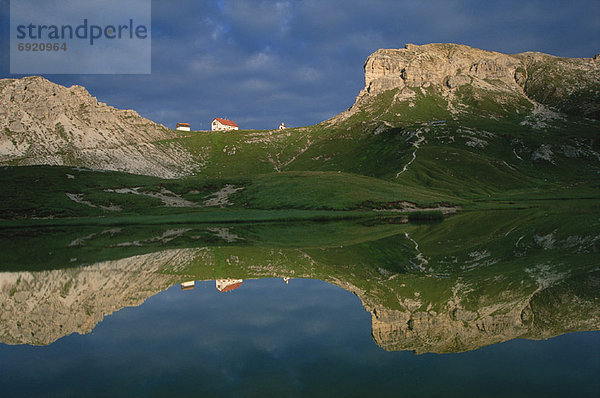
(482, 304)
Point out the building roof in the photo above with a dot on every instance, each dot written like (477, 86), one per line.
(183, 124)
(226, 122)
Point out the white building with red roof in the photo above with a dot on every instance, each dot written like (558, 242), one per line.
(219, 124)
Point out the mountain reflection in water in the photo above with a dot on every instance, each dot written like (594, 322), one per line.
(468, 282)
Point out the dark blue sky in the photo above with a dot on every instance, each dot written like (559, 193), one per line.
(263, 62)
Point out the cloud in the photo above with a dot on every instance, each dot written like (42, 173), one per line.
(308, 74)
(255, 86)
(262, 62)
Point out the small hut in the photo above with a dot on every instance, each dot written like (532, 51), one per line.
(183, 126)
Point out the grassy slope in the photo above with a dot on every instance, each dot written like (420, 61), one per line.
(377, 141)
(561, 83)
(482, 156)
(38, 193)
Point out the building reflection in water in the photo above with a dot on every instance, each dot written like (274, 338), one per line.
(227, 285)
(188, 285)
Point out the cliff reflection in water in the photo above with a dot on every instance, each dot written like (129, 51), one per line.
(470, 281)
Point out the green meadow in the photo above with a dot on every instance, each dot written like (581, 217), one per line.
(382, 159)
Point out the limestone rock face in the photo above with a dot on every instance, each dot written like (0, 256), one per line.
(571, 85)
(45, 123)
(441, 65)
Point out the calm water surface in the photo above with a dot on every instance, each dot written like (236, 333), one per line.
(488, 304)
(268, 338)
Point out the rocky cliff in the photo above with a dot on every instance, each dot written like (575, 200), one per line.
(45, 123)
(568, 84)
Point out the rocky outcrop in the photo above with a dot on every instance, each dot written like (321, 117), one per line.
(441, 65)
(45, 123)
(38, 308)
(570, 85)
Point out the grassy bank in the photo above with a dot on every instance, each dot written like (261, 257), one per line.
(232, 216)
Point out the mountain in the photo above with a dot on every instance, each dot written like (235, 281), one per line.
(446, 117)
(45, 123)
(449, 117)
(473, 122)
(438, 126)
(570, 85)
(435, 124)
